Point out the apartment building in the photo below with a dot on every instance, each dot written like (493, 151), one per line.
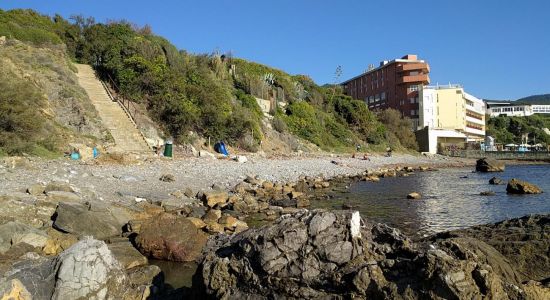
(449, 115)
(394, 84)
(511, 109)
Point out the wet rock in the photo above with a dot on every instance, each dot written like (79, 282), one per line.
(489, 165)
(167, 178)
(146, 275)
(516, 186)
(170, 237)
(414, 195)
(487, 193)
(496, 181)
(302, 202)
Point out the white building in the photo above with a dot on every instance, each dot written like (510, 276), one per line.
(511, 109)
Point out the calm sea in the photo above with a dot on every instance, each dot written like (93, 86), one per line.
(450, 199)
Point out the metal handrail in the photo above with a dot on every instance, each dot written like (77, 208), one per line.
(126, 104)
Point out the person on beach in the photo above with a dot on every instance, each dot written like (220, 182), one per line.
(388, 152)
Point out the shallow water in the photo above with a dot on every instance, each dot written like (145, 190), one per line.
(448, 201)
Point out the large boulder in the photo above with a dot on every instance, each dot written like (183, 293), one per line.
(489, 165)
(86, 219)
(336, 255)
(170, 237)
(88, 270)
(516, 186)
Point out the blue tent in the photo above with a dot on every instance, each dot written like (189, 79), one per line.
(220, 148)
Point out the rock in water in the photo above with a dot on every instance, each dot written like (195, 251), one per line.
(337, 255)
(496, 181)
(170, 237)
(489, 165)
(487, 193)
(516, 186)
(414, 195)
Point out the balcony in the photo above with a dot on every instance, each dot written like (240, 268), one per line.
(474, 120)
(420, 78)
(420, 67)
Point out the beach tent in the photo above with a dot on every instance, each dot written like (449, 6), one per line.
(220, 148)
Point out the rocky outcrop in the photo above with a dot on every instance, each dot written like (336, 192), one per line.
(170, 237)
(320, 254)
(87, 270)
(489, 165)
(516, 186)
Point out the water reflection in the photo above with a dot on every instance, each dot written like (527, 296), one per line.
(450, 199)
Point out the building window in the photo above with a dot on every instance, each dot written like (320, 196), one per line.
(383, 96)
(413, 88)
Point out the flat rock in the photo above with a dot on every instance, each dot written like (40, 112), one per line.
(61, 196)
(127, 254)
(79, 219)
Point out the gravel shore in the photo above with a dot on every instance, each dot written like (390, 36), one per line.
(116, 182)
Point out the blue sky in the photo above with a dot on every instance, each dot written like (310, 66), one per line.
(497, 49)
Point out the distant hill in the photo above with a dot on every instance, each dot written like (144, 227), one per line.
(536, 99)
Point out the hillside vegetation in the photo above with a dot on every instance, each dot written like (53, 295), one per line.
(41, 104)
(210, 94)
(536, 99)
(510, 129)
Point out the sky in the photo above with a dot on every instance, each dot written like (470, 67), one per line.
(496, 49)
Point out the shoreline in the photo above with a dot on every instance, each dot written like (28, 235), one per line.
(141, 178)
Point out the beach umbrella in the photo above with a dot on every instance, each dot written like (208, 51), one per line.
(510, 145)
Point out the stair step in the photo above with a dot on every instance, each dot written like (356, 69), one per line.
(127, 137)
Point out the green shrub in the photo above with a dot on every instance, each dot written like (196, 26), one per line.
(22, 126)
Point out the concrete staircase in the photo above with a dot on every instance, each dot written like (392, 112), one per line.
(127, 136)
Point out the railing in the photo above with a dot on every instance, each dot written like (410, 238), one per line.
(528, 155)
(474, 116)
(128, 106)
